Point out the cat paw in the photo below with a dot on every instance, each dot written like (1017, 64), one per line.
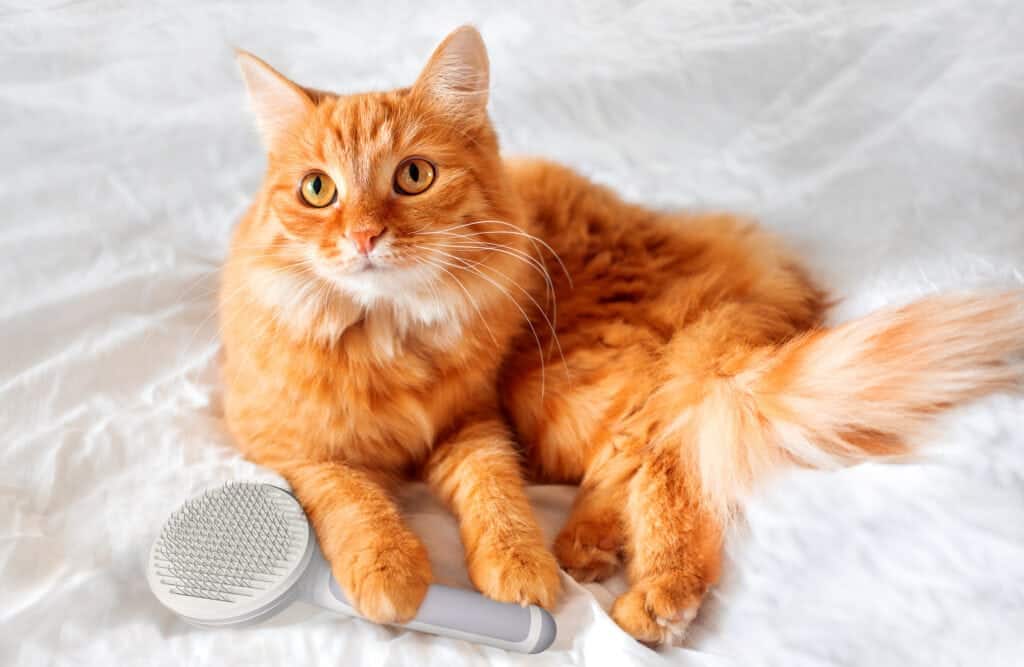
(523, 573)
(589, 551)
(387, 585)
(656, 614)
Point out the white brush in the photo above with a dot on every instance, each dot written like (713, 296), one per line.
(243, 552)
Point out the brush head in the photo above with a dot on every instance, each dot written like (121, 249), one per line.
(232, 555)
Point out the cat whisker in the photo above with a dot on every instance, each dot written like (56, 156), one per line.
(235, 293)
(550, 294)
(469, 296)
(533, 241)
(514, 231)
(463, 264)
(551, 326)
(192, 289)
(508, 250)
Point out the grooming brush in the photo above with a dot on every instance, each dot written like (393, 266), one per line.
(243, 552)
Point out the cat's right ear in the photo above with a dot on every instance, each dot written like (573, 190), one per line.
(457, 75)
(278, 103)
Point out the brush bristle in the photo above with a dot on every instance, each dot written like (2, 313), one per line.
(229, 543)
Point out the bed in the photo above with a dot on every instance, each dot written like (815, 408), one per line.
(883, 140)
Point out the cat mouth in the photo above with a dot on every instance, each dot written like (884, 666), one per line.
(367, 265)
(361, 266)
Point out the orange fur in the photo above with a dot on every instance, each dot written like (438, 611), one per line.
(666, 362)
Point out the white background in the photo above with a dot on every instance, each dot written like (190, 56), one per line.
(884, 139)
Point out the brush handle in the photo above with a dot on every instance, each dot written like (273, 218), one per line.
(448, 612)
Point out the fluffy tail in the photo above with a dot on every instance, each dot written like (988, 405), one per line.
(859, 391)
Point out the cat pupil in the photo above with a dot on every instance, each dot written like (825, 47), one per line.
(317, 185)
(414, 172)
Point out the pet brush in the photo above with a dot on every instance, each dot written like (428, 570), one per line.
(242, 552)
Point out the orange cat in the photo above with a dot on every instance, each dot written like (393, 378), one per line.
(399, 301)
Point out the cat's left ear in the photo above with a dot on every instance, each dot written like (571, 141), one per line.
(278, 103)
(457, 75)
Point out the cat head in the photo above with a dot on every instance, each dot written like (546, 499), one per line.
(385, 198)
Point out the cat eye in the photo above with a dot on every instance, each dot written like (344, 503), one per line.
(414, 176)
(317, 189)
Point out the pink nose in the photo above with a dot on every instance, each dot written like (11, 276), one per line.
(364, 239)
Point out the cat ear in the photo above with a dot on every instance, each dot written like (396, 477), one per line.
(278, 103)
(457, 77)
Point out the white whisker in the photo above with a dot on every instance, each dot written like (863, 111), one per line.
(225, 298)
(540, 348)
(515, 231)
(543, 313)
(469, 296)
(514, 252)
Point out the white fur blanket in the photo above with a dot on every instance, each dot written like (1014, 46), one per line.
(884, 139)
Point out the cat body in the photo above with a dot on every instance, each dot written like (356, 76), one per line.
(401, 302)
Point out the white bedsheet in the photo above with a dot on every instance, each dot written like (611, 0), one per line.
(885, 139)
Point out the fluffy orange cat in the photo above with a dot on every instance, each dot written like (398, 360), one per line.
(400, 302)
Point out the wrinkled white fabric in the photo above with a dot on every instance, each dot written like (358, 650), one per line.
(883, 139)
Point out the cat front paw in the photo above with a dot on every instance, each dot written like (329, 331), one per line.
(524, 573)
(657, 612)
(386, 584)
(589, 551)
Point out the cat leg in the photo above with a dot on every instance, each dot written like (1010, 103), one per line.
(476, 472)
(675, 552)
(381, 565)
(589, 546)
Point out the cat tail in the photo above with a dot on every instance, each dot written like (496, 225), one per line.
(863, 390)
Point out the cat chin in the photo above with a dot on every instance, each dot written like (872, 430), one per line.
(415, 293)
(382, 281)
(403, 300)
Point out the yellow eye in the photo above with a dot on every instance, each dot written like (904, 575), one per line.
(317, 189)
(413, 176)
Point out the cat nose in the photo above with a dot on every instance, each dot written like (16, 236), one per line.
(365, 238)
